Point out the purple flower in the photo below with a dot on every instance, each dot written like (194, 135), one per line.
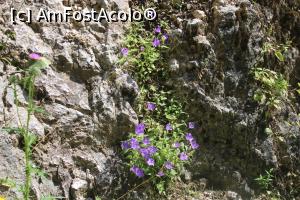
(183, 156)
(152, 150)
(191, 125)
(34, 56)
(169, 127)
(157, 29)
(176, 145)
(142, 48)
(146, 141)
(165, 37)
(137, 171)
(145, 153)
(194, 144)
(125, 145)
(124, 51)
(151, 106)
(140, 129)
(148, 151)
(160, 174)
(156, 42)
(134, 143)
(168, 165)
(150, 161)
(189, 137)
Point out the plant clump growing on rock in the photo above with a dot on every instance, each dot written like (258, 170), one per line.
(273, 87)
(265, 181)
(161, 143)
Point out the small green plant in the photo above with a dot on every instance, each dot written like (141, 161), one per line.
(265, 181)
(10, 34)
(272, 87)
(29, 138)
(7, 182)
(3, 58)
(278, 50)
(298, 90)
(177, 3)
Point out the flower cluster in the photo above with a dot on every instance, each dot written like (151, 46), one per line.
(148, 155)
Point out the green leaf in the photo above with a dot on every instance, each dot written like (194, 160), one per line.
(7, 182)
(161, 187)
(40, 173)
(268, 131)
(279, 56)
(13, 130)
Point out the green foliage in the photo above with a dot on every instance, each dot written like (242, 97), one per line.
(177, 3)
(272, 87)
(298, 90)
(10, 34)
(277, 50)
(268, 131)
(4, 58)
(29, 138)
(6, 182)
(265, 181)
(2, 46)
(142, 55)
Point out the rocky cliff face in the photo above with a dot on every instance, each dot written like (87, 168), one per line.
(89, 100)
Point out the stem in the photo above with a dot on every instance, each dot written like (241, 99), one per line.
(144, 182)
(27, 170)
(17, 104)
(27, 139)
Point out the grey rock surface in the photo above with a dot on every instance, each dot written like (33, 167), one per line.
(90, 101)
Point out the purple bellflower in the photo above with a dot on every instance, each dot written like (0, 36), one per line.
(157, 29)
(125, 145)
(176, 145)
(124, 51)
(134, 143)
(191, 125)
(137, 171)
(194, 144)
(151, 106)
(168, 165)
(169, 127)
(160, 174)
(150, 161)
(183, 156)
(140, 129)
(189, 137)
(146, 141)
(156, 42)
